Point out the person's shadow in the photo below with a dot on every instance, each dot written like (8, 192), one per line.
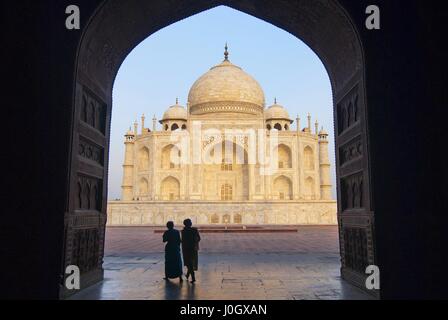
(191, 295)
(173, 289)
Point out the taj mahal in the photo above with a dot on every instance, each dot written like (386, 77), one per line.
(225, 158)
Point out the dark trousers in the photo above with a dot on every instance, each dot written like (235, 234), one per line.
(190, 271)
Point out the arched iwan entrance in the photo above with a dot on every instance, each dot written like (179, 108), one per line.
(118, 26)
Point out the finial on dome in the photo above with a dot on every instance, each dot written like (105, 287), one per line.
(275, 100)
(177, 100)
(226, 53)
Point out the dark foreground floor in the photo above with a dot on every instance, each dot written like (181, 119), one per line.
(302, 265)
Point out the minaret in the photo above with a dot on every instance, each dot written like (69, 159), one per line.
(143, 123)
(298, 123)
(316, 128)
(324, 166)
(135, 128)
(154, 124)
(309, 123)
(128, 166)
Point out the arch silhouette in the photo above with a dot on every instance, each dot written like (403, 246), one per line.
(322, 24)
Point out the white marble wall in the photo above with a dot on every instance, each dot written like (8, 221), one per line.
(137, 213)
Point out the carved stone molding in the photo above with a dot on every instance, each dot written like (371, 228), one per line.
(355, 249)
(93, 111)
(352, 192)
(85, 249)
(91, 151)
(348, 110)
(88, 193)
(351, 151)
(230, 106)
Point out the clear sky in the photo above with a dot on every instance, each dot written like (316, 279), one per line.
(166, 64)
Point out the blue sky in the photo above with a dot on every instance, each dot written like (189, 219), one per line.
(166, 64)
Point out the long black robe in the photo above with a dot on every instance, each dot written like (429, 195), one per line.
(190, 247)
(173, 260)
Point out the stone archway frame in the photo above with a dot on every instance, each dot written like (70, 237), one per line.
(118, 26)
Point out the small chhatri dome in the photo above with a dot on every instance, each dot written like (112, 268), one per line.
(175, 112)
(322, 132)
(130, 132)
(276, 112)
(229, 84)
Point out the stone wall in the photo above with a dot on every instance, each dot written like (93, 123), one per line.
(137, 213)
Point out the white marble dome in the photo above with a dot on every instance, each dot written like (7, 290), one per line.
(175, 112)
(276, 112)
(226, 83)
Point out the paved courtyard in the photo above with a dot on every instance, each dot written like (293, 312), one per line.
(233, 266)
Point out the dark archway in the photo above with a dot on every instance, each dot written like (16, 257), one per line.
(118, 26)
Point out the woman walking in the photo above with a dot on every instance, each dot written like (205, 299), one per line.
(173, 260)
(190, 247)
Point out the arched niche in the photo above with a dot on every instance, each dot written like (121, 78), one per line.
(170, 189)
(282, 188)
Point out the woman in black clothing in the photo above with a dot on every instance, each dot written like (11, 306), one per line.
(190, 248)
(173, 260)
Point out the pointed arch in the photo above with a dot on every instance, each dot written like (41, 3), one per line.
(284, 156)
(345, 63)
(143, 187)
(143, 159)
(170, 157)
(170, 188)
(308, 158)
(309, 188)
(282, 188)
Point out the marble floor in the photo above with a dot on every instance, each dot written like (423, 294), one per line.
(231, 267)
